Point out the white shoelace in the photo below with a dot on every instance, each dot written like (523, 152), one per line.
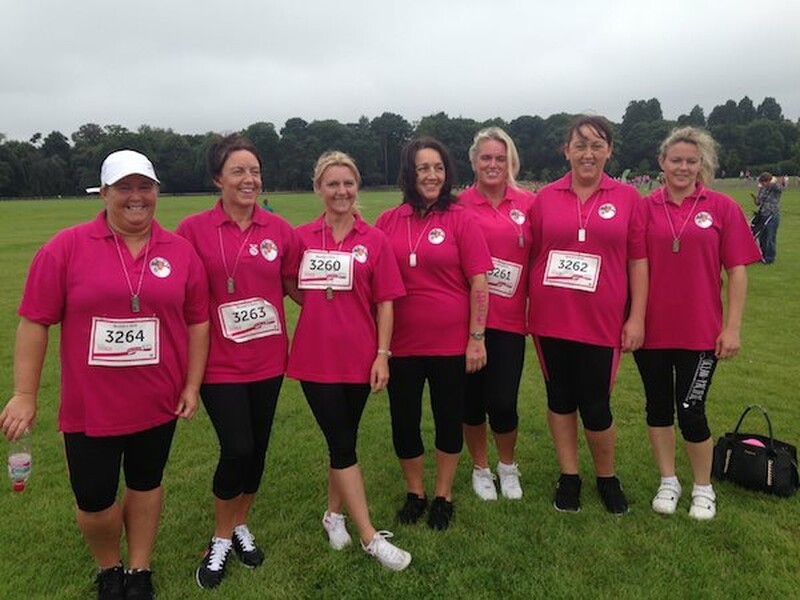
(218, 554)
(246, 539)
(380, 546)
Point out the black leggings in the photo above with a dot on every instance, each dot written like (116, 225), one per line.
(94, 464)
(338, 407)
(494, 389)
(446, 376)
(677, 378)
(579, 376)
(242, 415)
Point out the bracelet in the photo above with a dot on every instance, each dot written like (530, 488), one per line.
(386, 353)
(477, 335)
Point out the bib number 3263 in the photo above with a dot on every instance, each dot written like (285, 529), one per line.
(249, 319)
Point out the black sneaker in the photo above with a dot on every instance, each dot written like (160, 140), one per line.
(568, 493)
(211, 571)
(139, 585)
(244, 544)
(111, 584)
(413, 509)
(441, 513)
(612, 495)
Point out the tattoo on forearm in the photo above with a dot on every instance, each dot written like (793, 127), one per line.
(482, 304)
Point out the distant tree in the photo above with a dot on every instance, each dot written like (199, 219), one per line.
(724, 114)
(267, 140)
(90, 133)
(763, 141)
(295, 161)
(747, 112)
(770, 109)
(392, 132)
(695, 118)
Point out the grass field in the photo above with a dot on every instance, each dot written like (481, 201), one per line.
(492, 550)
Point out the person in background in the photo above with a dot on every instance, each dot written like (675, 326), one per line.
(439, 326)
(502, 210)
(347, 283)
(693, 233)
(132, 302)
(588, 263)
(246, 252)
(768, 202)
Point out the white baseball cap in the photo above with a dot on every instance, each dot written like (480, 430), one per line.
(122, 163)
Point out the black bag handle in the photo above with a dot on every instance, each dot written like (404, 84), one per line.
(766, 417)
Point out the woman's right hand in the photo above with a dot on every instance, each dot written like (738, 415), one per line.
(18, 416)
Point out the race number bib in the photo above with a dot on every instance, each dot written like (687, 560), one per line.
(124, 342)
(504, 278)
(573, 270)
(322, 270)
(249, 319)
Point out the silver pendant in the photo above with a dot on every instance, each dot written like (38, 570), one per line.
(135, 306)
(581, 235)
(230, 285)
(676, 245)
(412, 259)
(329, 293)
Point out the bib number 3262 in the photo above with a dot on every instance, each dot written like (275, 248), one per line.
(573, 270)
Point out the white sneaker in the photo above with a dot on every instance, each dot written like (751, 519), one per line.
(483, 483)
(509, 480)
(389, 555)
(337, 532)
(666, 499)
(704, 506)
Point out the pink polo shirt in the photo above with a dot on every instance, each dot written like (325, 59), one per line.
(684, 304)
(508, 234)
(449, 247)
(336, 338)
(76, 279)
(242, 349)
(613, 220)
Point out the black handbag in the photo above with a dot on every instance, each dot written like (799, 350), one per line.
(756, 462)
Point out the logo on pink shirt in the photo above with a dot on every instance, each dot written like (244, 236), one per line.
(703, 220)
(436, 236)
(517, 216)
(607, 211)
(269, 250)
(160, 267)
(360, 253)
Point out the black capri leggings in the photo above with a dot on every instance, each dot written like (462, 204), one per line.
(94, 464)
(677, 378)
(242, 415)
(446, 376)
(579, 376)
(494, 389)
(338, 407)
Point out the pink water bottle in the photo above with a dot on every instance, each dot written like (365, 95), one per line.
(19, 462)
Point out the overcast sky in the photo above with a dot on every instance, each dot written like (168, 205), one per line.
(197, 66)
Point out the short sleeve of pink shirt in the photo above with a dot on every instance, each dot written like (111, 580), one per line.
(508, 234)
(448, 249)
(258, 259)
(614, 234)
(336, 339)
(684, 306)
(77, 279)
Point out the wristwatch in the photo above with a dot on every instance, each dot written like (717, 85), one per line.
(477, 335)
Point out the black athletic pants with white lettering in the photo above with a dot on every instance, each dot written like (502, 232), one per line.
(677, 379)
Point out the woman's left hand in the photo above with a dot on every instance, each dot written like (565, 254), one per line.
(632, 335)
(379, 374)
(476, 355)
(187, 403)
(728, 344)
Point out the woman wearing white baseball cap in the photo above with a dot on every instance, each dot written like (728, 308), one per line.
(132, 301)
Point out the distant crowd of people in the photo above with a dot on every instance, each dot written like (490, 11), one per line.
(441, 289)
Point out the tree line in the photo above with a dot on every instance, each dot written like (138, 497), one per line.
(751, 138)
